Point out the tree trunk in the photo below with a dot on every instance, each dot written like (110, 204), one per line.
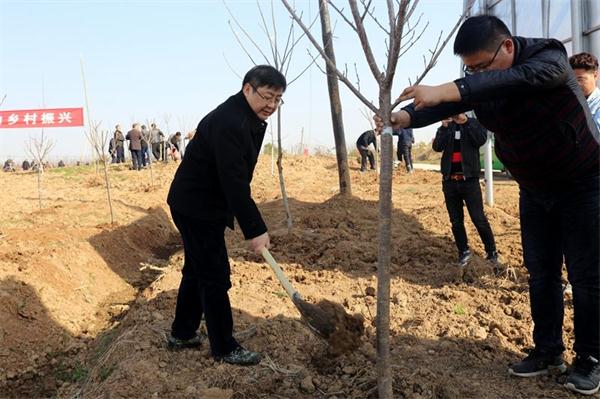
(150, 155)
(39, 183)
(335, 103)
(384, 377)
(286, 204)
(272, 154)
(107, 182)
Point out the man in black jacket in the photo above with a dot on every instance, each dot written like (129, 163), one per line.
(404, 149)
(119, 144)
(362, 145)
(459, 139)
(526, 93)
(210, 188)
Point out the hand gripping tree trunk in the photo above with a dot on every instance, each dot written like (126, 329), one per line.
(335, 103)
(396, 21)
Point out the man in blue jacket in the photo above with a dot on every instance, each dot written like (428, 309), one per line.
(524, 90)
(459, 140)
(210, 188)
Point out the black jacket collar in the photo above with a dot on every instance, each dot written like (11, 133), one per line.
(240, 99)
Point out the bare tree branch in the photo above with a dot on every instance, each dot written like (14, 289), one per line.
(341, 12)
(287, 66)
(99, 140)
(367, 7)
(302, 72)
(412, 42)
(411, 29)
(274, 32)
(272, 42)
(245, 32)
(300, 38)
(357, 77)
(371, 13)
(319, 48)
(237, 38)
(364, 41)
(290, 36)
(319, 66)
(390, 9)
(438, 49)
(397, 42)
(412, 10)
(231, 68)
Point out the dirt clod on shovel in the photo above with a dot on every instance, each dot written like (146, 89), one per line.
(341, 330)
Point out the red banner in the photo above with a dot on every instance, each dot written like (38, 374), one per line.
(41, 118)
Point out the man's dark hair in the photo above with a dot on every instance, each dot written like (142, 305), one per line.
(584, 61)
(265, 75)
(480, 33)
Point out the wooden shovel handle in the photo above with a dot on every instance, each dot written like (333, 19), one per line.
(280, 275)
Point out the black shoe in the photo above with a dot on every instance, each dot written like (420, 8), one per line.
(176, 343)
(464, 257)
(240, 356)
(584, 376)
(492, 256)
(538, 363)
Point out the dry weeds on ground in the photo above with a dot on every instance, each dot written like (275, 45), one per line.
(85, 306)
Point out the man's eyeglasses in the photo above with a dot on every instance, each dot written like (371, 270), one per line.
(482, 67)
(278, 101)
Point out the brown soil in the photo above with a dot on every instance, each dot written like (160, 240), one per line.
(348, 329)
(85, 306)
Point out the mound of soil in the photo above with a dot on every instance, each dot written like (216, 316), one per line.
(85, 306)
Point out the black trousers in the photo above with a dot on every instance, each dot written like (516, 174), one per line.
(204, 285)
(405, 151)
(468, 192)
(364, 154)
(565, 226)
(120, 154)
(144, 155)
(156, 151)
(136, 159)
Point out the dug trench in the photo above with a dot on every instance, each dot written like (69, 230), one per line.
(64, 286)
(451, 337)
(443, 330)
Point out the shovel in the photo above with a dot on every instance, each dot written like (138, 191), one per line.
(317, 320)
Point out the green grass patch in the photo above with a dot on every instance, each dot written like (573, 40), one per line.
(106, 371)
(77, 373)
(458, 309)
(72, 171)
(103, 344)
